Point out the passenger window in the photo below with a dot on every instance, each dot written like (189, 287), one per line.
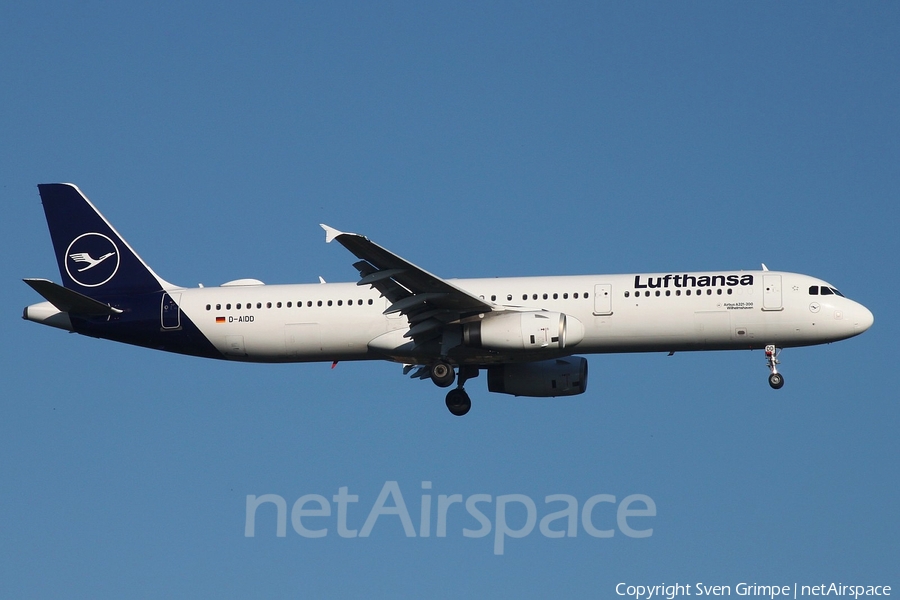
(556, 296)
(545, 296)
(566, 296)
(218, 307)
(340, 302)
(575, 295)
(268, 305)
(278, 305)
(657, 293)
(534, 296)
(208, 307)
(370, 302)
(329, 303)
(509, 297)
(627, 293)
(319, 303)
(238, 307)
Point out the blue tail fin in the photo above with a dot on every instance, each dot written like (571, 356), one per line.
(93, 258)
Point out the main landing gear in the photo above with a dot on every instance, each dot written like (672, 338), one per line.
(776, 379)
(442, 375)
(458, 401)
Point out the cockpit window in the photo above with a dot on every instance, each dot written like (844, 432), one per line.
(815, 290)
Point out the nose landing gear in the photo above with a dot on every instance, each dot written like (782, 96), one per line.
(776, 379)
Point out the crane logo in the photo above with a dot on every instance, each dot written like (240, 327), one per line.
(92, 259)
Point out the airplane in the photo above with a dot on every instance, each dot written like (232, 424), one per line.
(523, 332)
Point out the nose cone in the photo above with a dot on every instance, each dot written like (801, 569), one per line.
(862, 318)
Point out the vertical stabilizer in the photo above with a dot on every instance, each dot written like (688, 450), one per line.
(93, 258)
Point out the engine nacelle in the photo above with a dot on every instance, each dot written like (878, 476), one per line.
(523, 331)
(542, 379)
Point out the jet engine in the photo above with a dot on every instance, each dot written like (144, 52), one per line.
(543, 379)
(523, 331)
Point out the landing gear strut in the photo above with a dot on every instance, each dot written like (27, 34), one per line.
(776, 379)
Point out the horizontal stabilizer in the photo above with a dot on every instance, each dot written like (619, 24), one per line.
(70, 301)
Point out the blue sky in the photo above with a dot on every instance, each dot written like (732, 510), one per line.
(510, 139)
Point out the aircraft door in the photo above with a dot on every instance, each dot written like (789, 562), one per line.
(170, 312)
(603, 299)
(772, 292)
(234, 345)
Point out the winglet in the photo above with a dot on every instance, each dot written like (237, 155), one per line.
(330, 232)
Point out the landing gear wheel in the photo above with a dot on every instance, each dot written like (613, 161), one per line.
(458, 402)
(442, 374)
(776, 380)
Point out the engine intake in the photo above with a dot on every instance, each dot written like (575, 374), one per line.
(542, 379)
(523, 331)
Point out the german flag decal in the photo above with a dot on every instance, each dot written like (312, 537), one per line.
(220, 319)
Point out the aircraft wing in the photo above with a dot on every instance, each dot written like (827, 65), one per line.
(427, 300)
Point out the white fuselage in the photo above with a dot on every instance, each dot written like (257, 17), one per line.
(620, 313)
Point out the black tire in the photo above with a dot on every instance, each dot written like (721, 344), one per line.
(458, 402)
(776, 380)
(442, 374)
